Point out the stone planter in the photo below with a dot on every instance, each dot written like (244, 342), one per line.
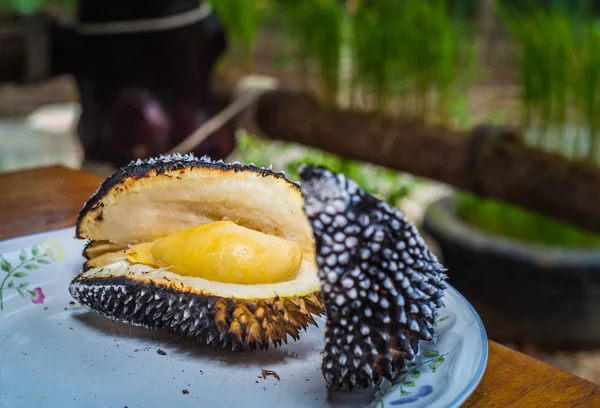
(541, 296)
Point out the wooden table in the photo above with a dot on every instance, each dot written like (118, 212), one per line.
(50, 198)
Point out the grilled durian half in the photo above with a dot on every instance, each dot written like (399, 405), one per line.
(219, 252)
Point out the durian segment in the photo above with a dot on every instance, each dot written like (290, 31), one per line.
(223, 252)
(96, 248)
(381, 286)
(150, 199)
(236, 316)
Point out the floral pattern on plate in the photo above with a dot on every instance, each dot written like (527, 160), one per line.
(15, 272)
(121, 357)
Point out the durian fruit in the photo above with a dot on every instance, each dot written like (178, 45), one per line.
(222, 253)
(380, 285)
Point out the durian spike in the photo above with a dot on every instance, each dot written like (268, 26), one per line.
(381, 285)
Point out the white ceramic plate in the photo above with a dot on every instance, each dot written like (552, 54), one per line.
(55, 353)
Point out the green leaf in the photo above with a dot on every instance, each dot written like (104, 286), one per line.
(27, 6)
(441, 319)
(19, 274)
(5, 265)
(435, 363)
(431, 353)
(35, 250)
(21, 292)
(10, 284)
(44, 261)
(409, 384)
(23, 284)
(411, 364)
(404, 393)
(22, 255)
(31, 266)
(415, 374)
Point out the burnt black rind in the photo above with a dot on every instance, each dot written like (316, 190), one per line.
(158, 166)
(205, 318)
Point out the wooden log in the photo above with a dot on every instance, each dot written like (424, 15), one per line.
(487, 161)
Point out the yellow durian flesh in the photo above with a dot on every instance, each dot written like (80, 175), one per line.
(222, 251)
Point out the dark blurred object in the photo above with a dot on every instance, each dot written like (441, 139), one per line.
(141, 93)
(535, 295)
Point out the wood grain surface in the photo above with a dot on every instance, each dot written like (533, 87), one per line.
(50, 198)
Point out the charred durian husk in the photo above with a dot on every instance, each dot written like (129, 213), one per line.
(154, 199)
(380, 285)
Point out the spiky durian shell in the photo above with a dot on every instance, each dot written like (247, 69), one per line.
(381, 286)
(238, 324)
(171, 305)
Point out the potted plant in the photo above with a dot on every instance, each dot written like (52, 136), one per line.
(533, 279)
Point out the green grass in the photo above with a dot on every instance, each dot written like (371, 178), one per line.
(241, 21)
(318, 28)
(413, 51)
(559, 70)
(384, 183)
(513, 222)
(34, 6)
